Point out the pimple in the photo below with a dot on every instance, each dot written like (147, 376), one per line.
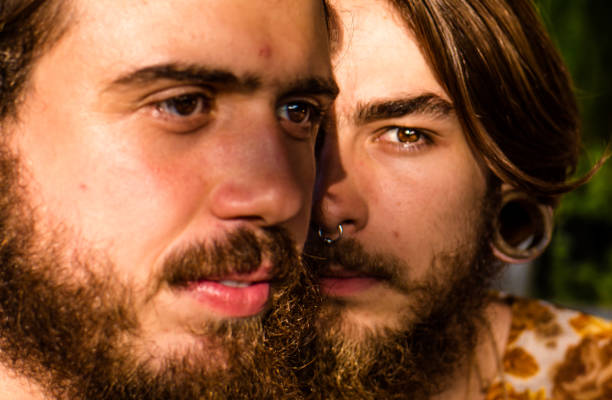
(265, 52)
(395, 234)
(83, 186)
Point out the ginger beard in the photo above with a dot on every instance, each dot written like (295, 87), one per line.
(76, 337)
(437, 332)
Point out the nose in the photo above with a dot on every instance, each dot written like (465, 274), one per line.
(266, 177)
(338, 199)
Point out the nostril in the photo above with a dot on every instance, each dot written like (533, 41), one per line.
(331, 229)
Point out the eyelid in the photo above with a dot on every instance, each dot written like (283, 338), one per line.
(425, 140)
(316, 114)
(425, 132)
(302, 130)
(167, 93)
(321, 101)
(153, 106)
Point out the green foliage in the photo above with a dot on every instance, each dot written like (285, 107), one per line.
(577, 268)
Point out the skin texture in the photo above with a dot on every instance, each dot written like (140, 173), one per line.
(151, 127)
(412, 200)
(406, 308)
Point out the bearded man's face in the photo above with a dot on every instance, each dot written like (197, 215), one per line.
(406, 280)
(163, 163)
(84, 337)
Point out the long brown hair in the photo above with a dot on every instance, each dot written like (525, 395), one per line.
(27, 28)
(511, 90)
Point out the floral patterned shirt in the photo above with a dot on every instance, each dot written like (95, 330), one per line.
(554, 354)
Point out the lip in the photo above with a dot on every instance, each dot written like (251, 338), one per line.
(234, 301)
(345, 283)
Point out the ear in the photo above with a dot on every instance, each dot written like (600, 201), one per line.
(522, 227)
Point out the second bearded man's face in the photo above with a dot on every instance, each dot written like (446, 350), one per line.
(396, 171)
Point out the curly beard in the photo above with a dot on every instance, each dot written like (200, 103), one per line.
(436, 334)
(74, 337)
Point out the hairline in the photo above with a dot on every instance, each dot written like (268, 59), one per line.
(51, 27)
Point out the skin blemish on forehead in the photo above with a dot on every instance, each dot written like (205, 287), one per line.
(265, 52)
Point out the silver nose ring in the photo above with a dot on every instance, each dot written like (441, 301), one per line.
(328, 240)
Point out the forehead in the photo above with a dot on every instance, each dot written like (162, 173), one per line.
(244, 34)
(378, 56)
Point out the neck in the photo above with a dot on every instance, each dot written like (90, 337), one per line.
(473, 379)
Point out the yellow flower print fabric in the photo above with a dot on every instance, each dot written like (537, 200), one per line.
(554, 354)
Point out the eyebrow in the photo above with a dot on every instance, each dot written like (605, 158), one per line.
(200, 75)
(195, 74)
(425, 104)
(314, 86)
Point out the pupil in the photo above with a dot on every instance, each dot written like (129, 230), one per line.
(185, 105)
(297, 113)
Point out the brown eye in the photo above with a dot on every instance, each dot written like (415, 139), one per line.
(301, 119)
(185, 105)
(298, 112)
(407, 135)
(404, 139)
(183, 112)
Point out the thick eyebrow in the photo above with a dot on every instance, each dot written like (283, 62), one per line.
(428, 103)
(314, 86)
(201, 75)
(194, 74)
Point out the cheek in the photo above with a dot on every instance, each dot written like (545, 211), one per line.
(426, 210)
(110, 197)
(451, 208)
(303, 164)
(132, 208)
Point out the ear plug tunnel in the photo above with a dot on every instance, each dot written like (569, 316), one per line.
(523, 228)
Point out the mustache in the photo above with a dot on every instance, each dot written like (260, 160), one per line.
(240, 252)
(351, 255)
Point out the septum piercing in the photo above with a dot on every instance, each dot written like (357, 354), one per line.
(328, 240)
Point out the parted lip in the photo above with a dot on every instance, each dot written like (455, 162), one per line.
(261, 274)
(264, 273)
(337, 271)
(346, 283)
(235, 295)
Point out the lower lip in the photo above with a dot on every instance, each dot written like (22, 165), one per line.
(232, 302)
(346, 286)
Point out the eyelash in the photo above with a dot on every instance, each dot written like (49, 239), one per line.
(202, 103)
(184, 112)
(423, 139)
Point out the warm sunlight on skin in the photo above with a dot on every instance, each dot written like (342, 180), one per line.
(180, 124)
(396, 172)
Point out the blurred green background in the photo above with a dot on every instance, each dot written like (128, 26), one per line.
(577, 268)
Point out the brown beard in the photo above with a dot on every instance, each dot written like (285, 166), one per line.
(436, 334)
(70, 337)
